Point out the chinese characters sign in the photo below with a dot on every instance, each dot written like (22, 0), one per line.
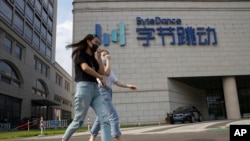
(179, 35)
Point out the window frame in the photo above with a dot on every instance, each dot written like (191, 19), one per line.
(9, 50)
(14, 81)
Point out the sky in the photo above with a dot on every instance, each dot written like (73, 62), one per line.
(64, 34)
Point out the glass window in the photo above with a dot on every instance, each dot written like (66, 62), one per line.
(18, 52)
(44, 70)
(58, 79)
(39, 66)
(49, 38)
(52, 1)
(44, 31)
(37, 22)
(39, 88)
(5, 69)
(42, 47)
(36, 40)
(10, 109)
(50, 24)
(66, 115)
(16, 83)
(28, 32)
(8, 74)
(34, 63)
(29, 13)
(20, 5)
(6, 79)
(7, 45)
(44, 15)
(45, 3)
(47, 72)
(38, 6)
(67, 85)
(48, 53)
(32, 1)
(50, 10)
(6, 11)
(18, 23)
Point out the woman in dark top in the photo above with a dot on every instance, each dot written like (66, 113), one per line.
(87, 70)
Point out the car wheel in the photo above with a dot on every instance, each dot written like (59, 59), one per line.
(200, 118)
(192, 119)
(172, 122)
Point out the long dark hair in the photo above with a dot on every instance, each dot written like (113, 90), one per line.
(80, 46)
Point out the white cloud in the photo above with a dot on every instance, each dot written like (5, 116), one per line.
(63, 38)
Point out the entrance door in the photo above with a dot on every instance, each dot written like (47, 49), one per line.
(216, 104)
(244, 98)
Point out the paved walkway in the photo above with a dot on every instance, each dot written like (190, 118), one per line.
(166, 128)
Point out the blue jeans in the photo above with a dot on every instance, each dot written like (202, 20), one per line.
(86, 95)
(113, 116)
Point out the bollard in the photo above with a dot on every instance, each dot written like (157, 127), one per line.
(159, 120)
(28, 125)
(41, 127)
(139, 124)
(88, 123)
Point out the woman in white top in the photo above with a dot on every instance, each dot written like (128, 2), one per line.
(110, 79)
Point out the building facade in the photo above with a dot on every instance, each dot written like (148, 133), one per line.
(177, 52)
(32, 83)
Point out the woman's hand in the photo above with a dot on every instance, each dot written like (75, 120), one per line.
(132, 87)
(107, 57)
(99, 53)
(102, 81)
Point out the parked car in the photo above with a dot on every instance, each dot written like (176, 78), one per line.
(186, 113)
(34, 123)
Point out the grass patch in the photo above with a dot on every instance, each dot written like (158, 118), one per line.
(219, 130)
(31, 133)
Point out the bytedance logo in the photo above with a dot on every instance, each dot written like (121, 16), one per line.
(115, 34)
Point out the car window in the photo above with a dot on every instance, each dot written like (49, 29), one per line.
(181, 109)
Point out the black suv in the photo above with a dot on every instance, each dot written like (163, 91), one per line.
(186, 113)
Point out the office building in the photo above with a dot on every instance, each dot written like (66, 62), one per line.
(32, 83)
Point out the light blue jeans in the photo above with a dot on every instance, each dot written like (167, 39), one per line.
(86, 95)
(113, 116)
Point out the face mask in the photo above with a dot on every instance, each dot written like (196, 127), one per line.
(103, 60)
(94, 48)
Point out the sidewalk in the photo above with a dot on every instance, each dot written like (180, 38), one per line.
(239, 122)
(161, 129)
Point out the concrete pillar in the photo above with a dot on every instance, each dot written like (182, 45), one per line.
(231, 98)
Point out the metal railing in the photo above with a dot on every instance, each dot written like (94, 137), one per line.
(35, 124)
(55, 124)
(4, 126)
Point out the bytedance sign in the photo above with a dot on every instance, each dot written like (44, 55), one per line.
(171, 27)
(183, 35)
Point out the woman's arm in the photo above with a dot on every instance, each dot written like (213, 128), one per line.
(85, 67)
(120, 84)
(99, 60)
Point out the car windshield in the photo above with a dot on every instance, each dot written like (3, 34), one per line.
(182, 109)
